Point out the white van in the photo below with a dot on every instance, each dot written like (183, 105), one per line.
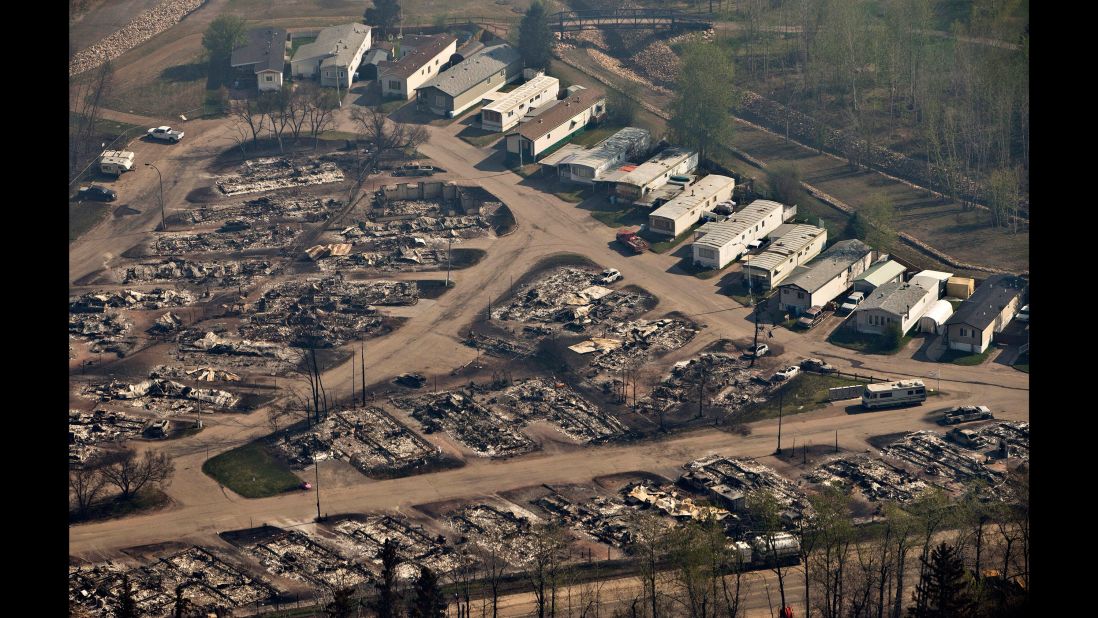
(890, 394)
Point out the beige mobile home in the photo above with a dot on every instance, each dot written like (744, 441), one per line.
(727, 240)
(505, 113)
(400, 79)
(820, 281)
(676, 216)
(791, 245)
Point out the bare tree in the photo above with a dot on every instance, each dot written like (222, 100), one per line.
(297, 108)
(649, 546)
(247, 112)
(90, 95)
(130, 473)
(86, 484)
(544, 570)
(320, 106)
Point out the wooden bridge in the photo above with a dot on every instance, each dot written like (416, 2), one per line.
(628, 19)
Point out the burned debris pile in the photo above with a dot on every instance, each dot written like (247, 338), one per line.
(724, 380)
(495, 346)
(88, 432)
(494, 531)
(291, 554)
(482, 430)
(604, 518)
(278, 173)
(414, 546)
(107, 332)
(267, 237)
(324, 312)
(158, 298)
(191, 340)
(875, 479)
(942, 463)
(268, 209)
(205, 580)
(668, 500)
(159, 388)
(1010, 439)
(367, 438)
(641, 339)
(727, 481)
(217, 273)
(570, 295)
(576, 417)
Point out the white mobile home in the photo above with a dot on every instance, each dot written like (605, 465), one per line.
(884, 271)
(655, 172)
(552, 127)
(821, 280)
(676, 216)
(586, 167)
(791, 245)
(896, 303)
(506, 112)
(728, 240)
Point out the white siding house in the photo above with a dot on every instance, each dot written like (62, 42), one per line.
(505, 113)
(401, 78)
(821, 280)
(896, 303)
(676, 216)
(726, 241)
(334, 56)
(791, 245)
(990, 308)
(542, 134)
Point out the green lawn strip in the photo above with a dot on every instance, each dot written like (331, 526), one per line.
(591, 137)
(575, 196)
(846, 337)
(958, 357)
(633, 215)
(664, 245)
(298, 41)
(478, 137)
(804, 393)
(252, 471)
(83, 216)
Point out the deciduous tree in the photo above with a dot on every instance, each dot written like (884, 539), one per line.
(700, 112)
(130, 473)
(383, 15)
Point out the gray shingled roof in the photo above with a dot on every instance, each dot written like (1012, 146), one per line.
(895, 297)
(336, 44)
(425, 49)
(266, 49)
(474, 69)
(988, 300)
(828, 265)
(558, 114)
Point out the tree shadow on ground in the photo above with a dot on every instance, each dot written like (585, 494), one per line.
(185, 72)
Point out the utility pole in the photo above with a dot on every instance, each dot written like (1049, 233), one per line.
(449, 244)
(755, 312)
(354, 398)
(163, 222)
(836, 440)
(316, 469)
(779, 451)
(363, 356)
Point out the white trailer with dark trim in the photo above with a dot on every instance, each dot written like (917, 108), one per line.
(890, 394)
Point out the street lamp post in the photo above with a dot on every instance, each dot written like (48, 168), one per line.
(163, 222)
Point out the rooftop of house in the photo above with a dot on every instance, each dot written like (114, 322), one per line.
(837, 258)
(560, 113)
(266, 49)
(896, 297)
(425, 49)
(988, 301)
(474, 69)
(693, 195)
(337, 45)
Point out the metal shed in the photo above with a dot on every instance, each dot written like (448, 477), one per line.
(935, 317)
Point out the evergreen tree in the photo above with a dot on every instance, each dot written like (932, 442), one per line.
(387, 603)
(428, 601)
(342, 604)
(224, 34)
(535, 41)
(127, 605)
(942, 590)
(383, 15)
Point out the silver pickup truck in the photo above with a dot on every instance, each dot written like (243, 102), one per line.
(165, 134)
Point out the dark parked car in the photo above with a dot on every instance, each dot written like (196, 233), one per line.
(97, 193)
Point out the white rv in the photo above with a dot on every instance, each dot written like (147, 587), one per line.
(116, 162)
(890, 394)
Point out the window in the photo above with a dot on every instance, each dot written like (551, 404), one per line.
(436, 62)
(270, 78)
(883, 395)
(800, 294)
(510, 113)
(342, 74)
(428, 69)
(963, 333)
(394, 84)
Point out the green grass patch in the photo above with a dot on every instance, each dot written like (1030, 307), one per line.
(338, 135)
(958, 357)
(576, 196)
(591, 137)
(252, 471)
(661, 244)
(633, 215)
(297, 42)
(1022, 363)
(846, 337)
(804, 393)
(83, 216)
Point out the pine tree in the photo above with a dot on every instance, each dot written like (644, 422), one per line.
(342, 604)
(535, 41)
(127, 606)
(428, 601)
(387, 603)
(942, 590)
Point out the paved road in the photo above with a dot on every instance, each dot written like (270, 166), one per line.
(430, 343)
